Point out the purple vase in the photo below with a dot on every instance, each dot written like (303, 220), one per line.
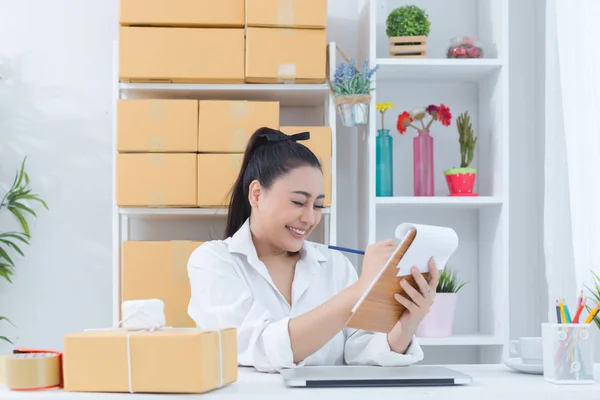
(423, 163)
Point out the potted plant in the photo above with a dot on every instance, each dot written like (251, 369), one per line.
(15, 201)
(423, 178)
(407, 28)
(440, 320)
(462, 180)
(352, 90)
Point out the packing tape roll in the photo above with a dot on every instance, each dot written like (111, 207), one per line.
(30, 371)
(286, 73)
(180, 253)
(286, 12)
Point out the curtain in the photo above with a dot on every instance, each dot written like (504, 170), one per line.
(572, 149)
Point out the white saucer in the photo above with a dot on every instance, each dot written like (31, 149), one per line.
(518, 365)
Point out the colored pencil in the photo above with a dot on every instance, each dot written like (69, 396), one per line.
(558, 318)
(567, 314)
(593, 313)
(562, 312)
(347, 250)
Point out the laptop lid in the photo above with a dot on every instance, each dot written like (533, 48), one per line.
(372, 376)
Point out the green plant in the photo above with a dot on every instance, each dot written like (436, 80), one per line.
(408, 21)
(449, 282)
(466, 139)
(349, 80)
(15, 201)
(595, 297)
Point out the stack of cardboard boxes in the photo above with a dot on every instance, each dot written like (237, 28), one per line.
(225, 41)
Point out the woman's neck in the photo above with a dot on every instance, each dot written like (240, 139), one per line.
(264, 248)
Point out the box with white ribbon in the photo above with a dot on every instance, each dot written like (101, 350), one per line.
(149, 360)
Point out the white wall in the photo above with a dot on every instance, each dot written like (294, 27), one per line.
(58, 111)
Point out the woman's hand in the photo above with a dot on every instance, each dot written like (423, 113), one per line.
(376, 256)
(417, 307)
(421, 300)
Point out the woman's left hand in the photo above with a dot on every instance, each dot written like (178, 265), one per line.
(420, 301)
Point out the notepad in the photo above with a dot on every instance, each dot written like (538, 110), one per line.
(377, 310)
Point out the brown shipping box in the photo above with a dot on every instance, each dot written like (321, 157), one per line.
(157, 125)
(158, 270)
(197, 55)
(279, 55)
(162, 361)
(216, 175)
(320, 144)
(287, 13)
(156, 179)
(226, 126)
(201, 13)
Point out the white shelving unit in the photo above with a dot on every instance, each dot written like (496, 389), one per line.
(301, 105)
(479, 86)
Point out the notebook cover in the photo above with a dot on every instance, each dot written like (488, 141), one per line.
(379, 311)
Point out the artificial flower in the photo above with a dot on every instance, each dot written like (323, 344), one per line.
(404, 121)
(418, 113)
(383, 107)
(444, 115)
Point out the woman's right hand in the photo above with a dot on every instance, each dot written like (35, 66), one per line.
(376, 256)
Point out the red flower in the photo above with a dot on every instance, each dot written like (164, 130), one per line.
(444, 115)
(431, 109)
(404, 121)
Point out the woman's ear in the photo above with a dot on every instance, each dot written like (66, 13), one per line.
(254, 193)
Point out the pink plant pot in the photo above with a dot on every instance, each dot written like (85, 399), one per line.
(440, 320)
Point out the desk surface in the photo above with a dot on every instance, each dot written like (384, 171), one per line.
(490, 382)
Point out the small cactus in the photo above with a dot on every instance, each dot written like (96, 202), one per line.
(466, 139)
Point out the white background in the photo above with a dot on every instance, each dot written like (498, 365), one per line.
(58, 112)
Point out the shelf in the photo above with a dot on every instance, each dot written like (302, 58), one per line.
(468, 70)
(462, 340)
(158, 213)
(286, 94)
(441, 201)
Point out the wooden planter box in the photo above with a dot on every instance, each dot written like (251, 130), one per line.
(407, 46)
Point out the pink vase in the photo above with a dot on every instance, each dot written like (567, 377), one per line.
(423, 163)
(440, 320)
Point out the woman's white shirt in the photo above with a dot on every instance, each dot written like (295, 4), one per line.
(231, 287)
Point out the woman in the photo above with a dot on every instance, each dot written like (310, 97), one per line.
(289, 298)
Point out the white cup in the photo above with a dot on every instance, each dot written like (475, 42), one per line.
(530, 349)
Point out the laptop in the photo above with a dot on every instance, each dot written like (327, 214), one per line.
(373, 376)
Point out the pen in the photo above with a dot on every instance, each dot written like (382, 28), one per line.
(347, 250)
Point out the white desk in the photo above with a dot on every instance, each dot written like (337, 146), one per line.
(490, 382)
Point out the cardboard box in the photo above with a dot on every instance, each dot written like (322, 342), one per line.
(156, 125)
(287, 13)
(162, 361)
(279, 55)
(156, 179)
(158, 270)
(216, 175)
(320, 144)
(198, 13)
(192, 55)
(226, 126)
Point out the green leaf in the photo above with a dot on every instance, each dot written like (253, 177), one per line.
(15, 235)
(17, 213)
(7, 320)
(4, 254)
(13, 246)
(25, 208)
(6, 273)
(6, 339)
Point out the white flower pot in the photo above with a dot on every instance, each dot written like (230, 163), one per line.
(440, 320)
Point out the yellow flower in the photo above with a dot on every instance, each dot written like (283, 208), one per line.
(383, 107)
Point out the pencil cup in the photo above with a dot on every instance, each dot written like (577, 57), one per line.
(568, 353)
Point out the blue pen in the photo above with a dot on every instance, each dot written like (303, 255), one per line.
(346, 250)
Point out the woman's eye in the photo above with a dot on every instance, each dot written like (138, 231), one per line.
(316, 206)
(298, 203)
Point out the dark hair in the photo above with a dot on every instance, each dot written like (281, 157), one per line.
(269, 154)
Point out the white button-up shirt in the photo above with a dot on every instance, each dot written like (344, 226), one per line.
(231, 287)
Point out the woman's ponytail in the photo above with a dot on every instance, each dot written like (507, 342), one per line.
(269, 154)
